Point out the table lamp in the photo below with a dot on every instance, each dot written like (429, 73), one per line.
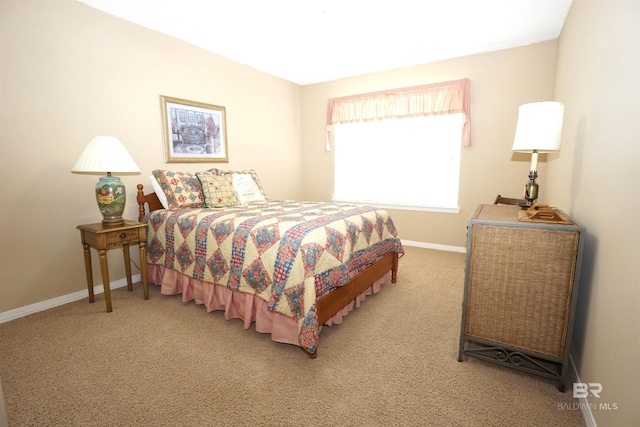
(106, 154)
(539, 130)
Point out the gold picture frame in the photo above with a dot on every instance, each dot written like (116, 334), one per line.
(193, 132)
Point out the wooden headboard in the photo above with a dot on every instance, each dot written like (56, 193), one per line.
(152, 201)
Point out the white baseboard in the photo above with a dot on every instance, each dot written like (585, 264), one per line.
(435, 246)
(54, 302)
(583, 402)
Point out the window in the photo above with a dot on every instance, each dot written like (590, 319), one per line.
(400, 147)
(410, 162)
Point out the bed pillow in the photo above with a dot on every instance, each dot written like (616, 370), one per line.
(182, 189)
(158, 190)
(218, 190)
(247, 190)
(251, 172)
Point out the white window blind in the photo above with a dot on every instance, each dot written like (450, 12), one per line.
(405, 162)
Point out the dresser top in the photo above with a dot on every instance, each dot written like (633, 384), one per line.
(501, 213)
(516, 216)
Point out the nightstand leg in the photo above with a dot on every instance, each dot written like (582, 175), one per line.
(127, 266)
(143, 269)
(105, 278)
(87, 268)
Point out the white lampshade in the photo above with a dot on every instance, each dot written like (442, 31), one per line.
(105, 154)
(539, 127)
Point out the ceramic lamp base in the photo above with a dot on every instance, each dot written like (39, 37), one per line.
(111, 197)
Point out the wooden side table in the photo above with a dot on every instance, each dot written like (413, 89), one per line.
(102, 238)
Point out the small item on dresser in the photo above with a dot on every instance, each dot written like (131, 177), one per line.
(544, 212)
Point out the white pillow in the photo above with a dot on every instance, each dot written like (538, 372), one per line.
(158, 190)
(246, 189)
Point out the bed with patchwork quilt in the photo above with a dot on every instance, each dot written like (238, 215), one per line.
(288, 267)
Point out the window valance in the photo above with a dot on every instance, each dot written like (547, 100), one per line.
(425, 100)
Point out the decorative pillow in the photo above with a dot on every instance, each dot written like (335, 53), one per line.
(158, 190)
(251, 172)
(182, 189)
(246, 188)
(217, 190)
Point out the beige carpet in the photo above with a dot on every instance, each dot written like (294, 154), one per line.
(162, 362)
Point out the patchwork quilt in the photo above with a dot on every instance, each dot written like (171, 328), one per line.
(287, 253)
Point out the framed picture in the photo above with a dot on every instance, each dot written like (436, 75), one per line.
(193, 131)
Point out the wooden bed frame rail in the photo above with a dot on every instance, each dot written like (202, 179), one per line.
(151, 199)
(336, 300)
(328, 305)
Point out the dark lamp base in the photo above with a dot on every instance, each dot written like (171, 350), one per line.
(531, 189)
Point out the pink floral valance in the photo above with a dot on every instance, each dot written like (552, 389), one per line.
(432, 99)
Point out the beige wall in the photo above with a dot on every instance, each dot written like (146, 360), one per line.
(596, 178)
(69, 73)
(500, 82)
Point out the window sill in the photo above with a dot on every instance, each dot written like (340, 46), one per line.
(402, 207)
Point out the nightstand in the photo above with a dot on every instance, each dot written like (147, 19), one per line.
(520, 291)
(102, 238)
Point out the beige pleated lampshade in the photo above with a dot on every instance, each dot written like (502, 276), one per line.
(105, 154)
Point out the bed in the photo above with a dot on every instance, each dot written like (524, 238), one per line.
(288, 267)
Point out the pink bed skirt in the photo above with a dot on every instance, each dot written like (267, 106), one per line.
(240, 305)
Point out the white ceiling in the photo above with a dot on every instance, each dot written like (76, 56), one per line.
(311, 41)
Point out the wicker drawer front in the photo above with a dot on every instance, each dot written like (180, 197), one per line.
(520, 286)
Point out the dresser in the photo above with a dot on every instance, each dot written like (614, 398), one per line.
(520, 291)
